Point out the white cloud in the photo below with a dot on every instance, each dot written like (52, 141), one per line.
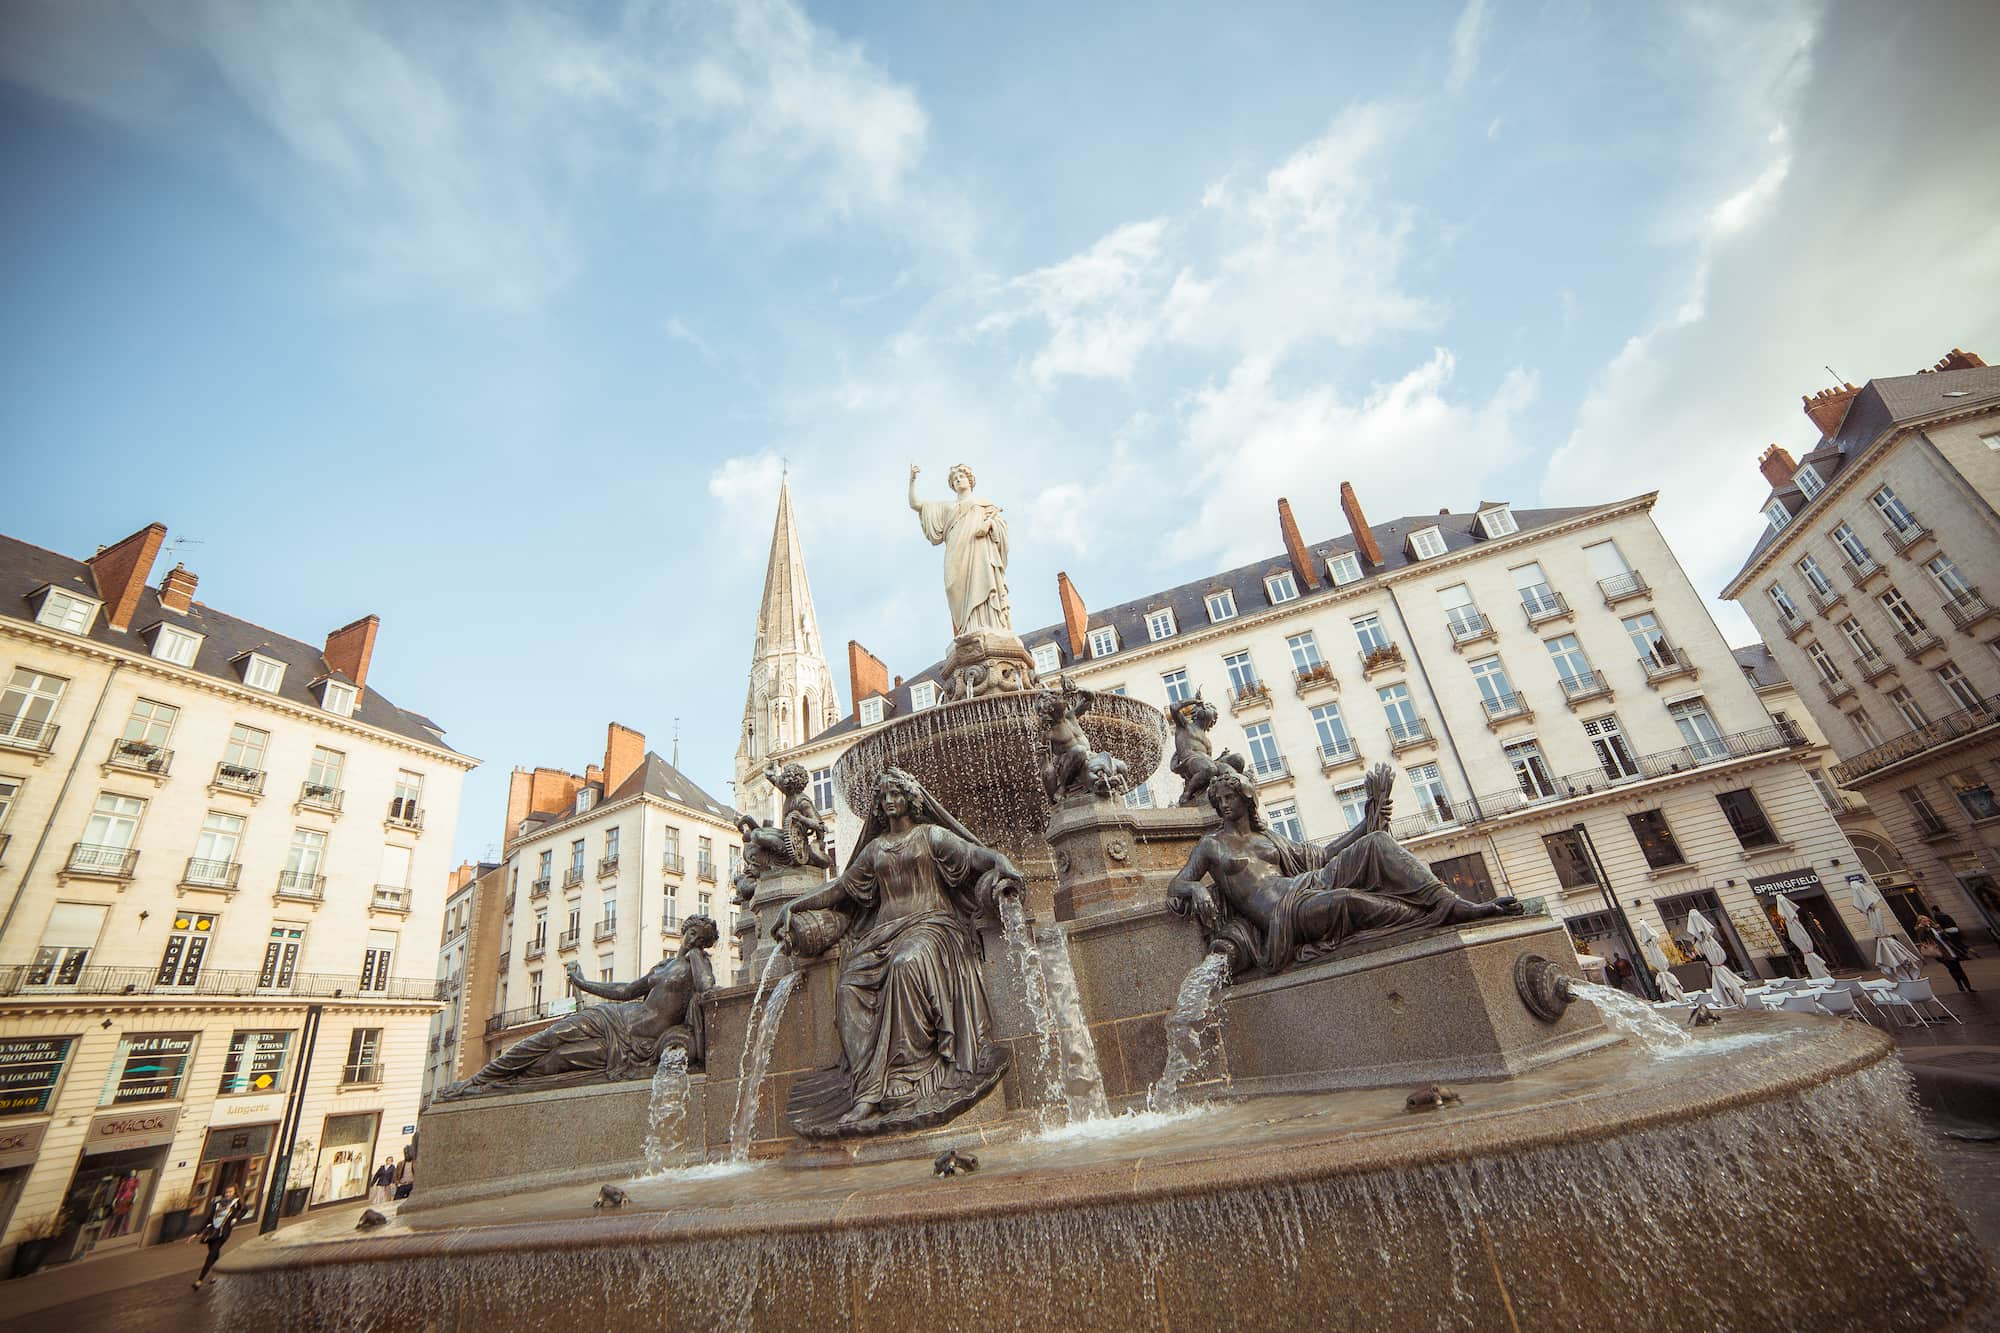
(1467, 36)
(677, 329)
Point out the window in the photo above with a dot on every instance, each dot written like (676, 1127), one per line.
(575, 861)
(281, 955)
(1531, 770)
(1461, 616)
(1894, 512)
(822, 789)
(1850, 545)
(1828, 797)
(70, 614)
(871, 710)
(1905, 616)
(923, 694)
(1401, 712)
(1698, 729)
(1344, 568)
(1265, 760)
(27, 705)
(187, 947)
(1281, 588)
(256, 1063)
(1572, 667)
(1911, 711)
(1648, 639)
(1368, 633)
(1536, 594)
(1949, 581)
(1353, 800)
(215, 850)
(148, 1067)
(1607, 741)
(1857, 638)
(1865, 727)
(245, 751)
(1496, 695)
(301, 874)
(114, 822)
(395, 867)
(1778, 513)
(1829, 670)
(1815, 577)
(541, 936)
(1787, 609)
(1433, 799)
(67, 939)
(1284, 821)
(150, 727)
(9, 791)
(1221, 605)
(1571, 861)
(175, 645)
(1140, 797)
(1242, 674)
(575, 927)
(1656, 840)
(1104, 641)
(1305, 652)
(535, 990)
(547, 865)
(323, 771)
(406, 799)
(337, 698)
(1160, 624)
(375, 960)
(1331, 729)
(1974, 793)
(1807, 478)
(1957, 686)
(1177, 686)
(1427, 543)
(704, 857)
(1498, 522)
(263, 673)
(611, 843)
(364, 1048)
(1048, 658)
(1467, 877)
(1929, 821)
(1746, 818)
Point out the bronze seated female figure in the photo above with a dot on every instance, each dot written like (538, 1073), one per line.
(1271, 903)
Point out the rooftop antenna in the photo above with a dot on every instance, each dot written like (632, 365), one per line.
(677, 742)
(1836, 378)
(174, 546)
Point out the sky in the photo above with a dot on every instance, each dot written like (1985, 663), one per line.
(500, 320)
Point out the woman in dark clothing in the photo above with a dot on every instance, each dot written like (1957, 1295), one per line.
(215, 1229)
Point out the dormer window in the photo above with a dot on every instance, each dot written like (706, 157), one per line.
(1221, 606)
(1498, 521)
(1808, 480)
(263, 673)
(1426, 543)
(1104, 641)
(871, 711)
(1160, 624)
(336, 697)
(1048, 658)
(66, 611)
(923, 694)
(1344, 568)
(585, 798)
(1281, 588)
(1778, 514)
(175, 645)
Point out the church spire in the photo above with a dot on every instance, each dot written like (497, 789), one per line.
(791, 696)
(786, 623)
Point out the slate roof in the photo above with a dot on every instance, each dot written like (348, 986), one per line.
(1758, 664)
(657, 777)
(1880, 406)
(1246, 583)
(25, 569)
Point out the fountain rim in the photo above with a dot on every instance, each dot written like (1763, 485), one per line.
(1819, 1056)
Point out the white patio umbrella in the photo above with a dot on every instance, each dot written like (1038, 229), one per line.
(1705, 939)
(1649, 945)
(1728, 989)
(1871, 904)
(1795, 927)
(1670, 986)
(1816, 969)
(1896, 959)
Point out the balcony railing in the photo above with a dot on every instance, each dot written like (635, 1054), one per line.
(1388, 656)
(671, 863)
(568, 939)
(1468, 627)
(211, 981)
(1904, 539)
(605, 930)
(1318, 676)
(572, 877)
(1836, 689)
(1584, 685)
(1269, 769)
(1931, 827)
(391, 898)
(1942, 731)
(1666, 662)
(607, 866)
(207, 873)
(370, 1073)
(705, 870)
(1248, 695)
(1404, 735)
(1339, 755)
(1872, 667)
(302, 885)
(1623, 587)
(534, 949)
(670, 923)
(140, 757)
(1505, 708)
(539, 888)
(1542, 604)
(1915, 643)
(320, 796)
(95, 861)
(237, 778)
(1860, 571)
(513, 1018)
(1792, 625)
(1825, 601)
(1966, 609)
(405, 813)
(445, 987)
(18, 733)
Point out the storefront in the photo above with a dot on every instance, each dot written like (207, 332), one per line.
(30, 1069)
(1603, 934)
(1674, 915)
(1980, 886)
(1831, 939)
(111, 1195)
(20, 1145)
(346, 1147)
(236, 1154)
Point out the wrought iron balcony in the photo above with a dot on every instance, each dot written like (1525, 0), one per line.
(704, 869)
(1434, 817)
(567, 940)
(534, 949)
(1584, 685)
(405, 813)
(20, 733)
(1915, 643)
(1248, 695)
(506, 957)
(1827, 600)
(1384, 658)
(205, 873)
(1623, 587)
(1542, 604)
(239, 779)
(513, 1018)
(1505, 708)
(1942, 731)
(1318, 676)
(670, 922)
(320, 796)
(1836, 689)
(607, 866)
(96, 861)
(671, 863)
(572, 877)
(1271, 769)
(1792, 625)
(391, 898)
(1339, 755)
(209, 981)
(371, 1073)
(1904, 540)
(1406, 735)
(154, 761)
(1860, 571)
(605, 930)
(1966, 608)
(1872, 667)
(1468, 626)
(1666, 662)
(300, 884)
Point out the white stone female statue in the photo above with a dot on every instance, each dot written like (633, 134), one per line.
(974, 537)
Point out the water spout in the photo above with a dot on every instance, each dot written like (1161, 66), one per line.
(1071, 1079)
(1654, 1030)
(1194, 1031)
(758, 1040)
(667, 1113)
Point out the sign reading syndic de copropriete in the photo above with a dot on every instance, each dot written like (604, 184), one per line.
(1791, 881)
(29, 1068)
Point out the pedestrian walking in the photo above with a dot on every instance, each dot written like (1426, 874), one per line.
(221, 1220)
(1934, 944)
(406, 1178)
(383, 1182)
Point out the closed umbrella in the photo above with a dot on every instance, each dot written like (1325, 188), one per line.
(1705, 939)
(1795, 928)
(1649, 945)
(1816, 968)
(1896, 959)
(1670, 986)
(1870, 903)
(1728, 989)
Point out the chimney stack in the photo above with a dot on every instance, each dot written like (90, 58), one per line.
(121, 572)
(177, 589)
(624, 751)
(1777, 466)
(1828, 408)
(1295, 547)
(1365, 544)
(1958, 359)
(1075, 618)
(866, 674)
(349, 648)
(593, 776)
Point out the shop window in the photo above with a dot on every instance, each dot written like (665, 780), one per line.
(1467, 876)
(1656, 840)
(345, 1147)
(364, 1048)
(33, 1066)
(187, 947)
(148, 1067)
(256, 1063)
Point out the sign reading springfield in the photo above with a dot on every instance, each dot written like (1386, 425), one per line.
(29, 1068)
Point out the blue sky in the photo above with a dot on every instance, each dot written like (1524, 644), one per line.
(497, 320)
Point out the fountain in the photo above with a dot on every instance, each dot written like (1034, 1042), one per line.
(1011, 964)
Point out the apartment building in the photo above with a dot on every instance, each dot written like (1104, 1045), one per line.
(1866, 583)
(454, 950)
(1565, 721)
(598, 869)
(222, 855)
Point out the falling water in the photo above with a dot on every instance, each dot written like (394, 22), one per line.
(1028, 964)
(667, 1112)
(1194, 1031)
(757, 1043)
(750, 1026)
(1082, 1079)
(1657, 1030)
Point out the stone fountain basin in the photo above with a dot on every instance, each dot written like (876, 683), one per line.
(1774, 1175)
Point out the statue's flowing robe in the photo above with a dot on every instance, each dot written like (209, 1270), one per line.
(975, 566)
(1371, 889)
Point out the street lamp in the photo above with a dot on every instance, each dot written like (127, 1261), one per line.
(1644, 971)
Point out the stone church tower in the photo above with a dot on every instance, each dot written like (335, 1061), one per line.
(791, 696)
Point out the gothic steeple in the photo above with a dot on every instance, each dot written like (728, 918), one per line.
(791, 696)
(786, 622)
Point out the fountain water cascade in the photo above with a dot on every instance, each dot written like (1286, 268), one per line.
(757, 1048)
(1194, 1032)
(666, 1114)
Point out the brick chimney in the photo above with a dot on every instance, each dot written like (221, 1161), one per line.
(1076, 620)
(121, 572)
(177, 589)
(349, 648)
(519, 783)
(593, 776)
(866, 674)
(1295, 547)
(1958, 359)
(539, 791)
(1777, 466)
(1828, 408)
(624, 751)
(467, 872)
(1365, 544)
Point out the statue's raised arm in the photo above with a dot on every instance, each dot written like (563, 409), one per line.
(974, 536)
